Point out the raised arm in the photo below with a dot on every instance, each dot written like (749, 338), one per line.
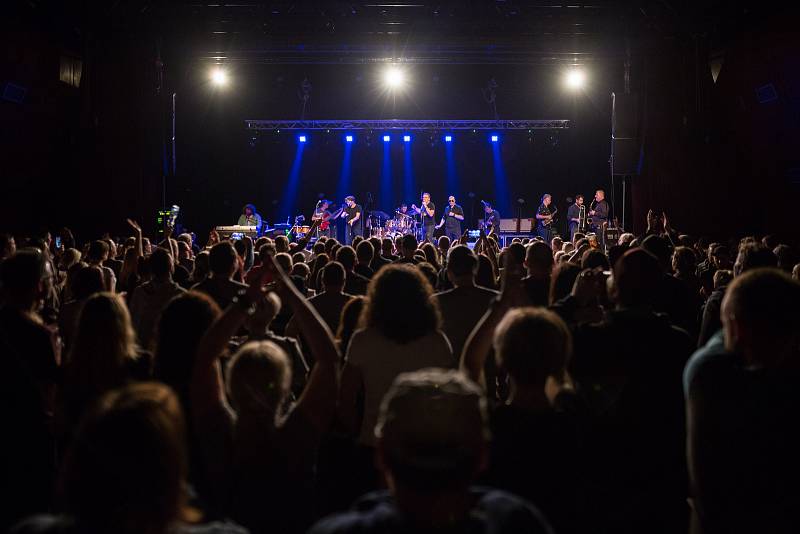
(139, 242)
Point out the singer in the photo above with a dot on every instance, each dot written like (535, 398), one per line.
(427, 211)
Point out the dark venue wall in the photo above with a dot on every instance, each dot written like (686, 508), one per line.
(714, 157)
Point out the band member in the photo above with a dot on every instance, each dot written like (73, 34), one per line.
(491, 219)
(355, 222)
(599, 215)
(544, 219)
(427, 211)
(574, 217)
(405, 222)
(451, 220)
(323, 215)
(250, 217)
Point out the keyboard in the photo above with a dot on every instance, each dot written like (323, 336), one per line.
(226, 231)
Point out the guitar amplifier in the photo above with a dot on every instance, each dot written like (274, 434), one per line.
(612, 235)
(517, 225)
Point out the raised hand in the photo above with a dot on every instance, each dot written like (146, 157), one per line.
(135, 225)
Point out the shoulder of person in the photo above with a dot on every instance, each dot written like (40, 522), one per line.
(706, 364)
(508, 513)
(216, 527)
(44, 524)
(371, 513)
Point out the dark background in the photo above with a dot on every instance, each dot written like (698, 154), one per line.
(714, 157)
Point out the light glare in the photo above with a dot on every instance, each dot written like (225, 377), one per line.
(394, 78)
(575, 79)
(219, 77)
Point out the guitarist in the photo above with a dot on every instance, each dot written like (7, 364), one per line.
(544, 219)
(322, 215)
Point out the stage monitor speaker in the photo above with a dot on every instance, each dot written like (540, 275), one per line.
(625, 146)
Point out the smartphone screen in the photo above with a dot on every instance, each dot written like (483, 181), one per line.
(58, 242)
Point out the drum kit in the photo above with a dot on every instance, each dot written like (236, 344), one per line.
(381, 224)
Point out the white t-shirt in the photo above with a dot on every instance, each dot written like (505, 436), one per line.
(380, 360)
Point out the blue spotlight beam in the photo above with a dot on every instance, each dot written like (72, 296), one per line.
(450, 171)
(345, 185)
(385, 191)
(503, 197)
(409, 182)
(408, 125)
(289, 203)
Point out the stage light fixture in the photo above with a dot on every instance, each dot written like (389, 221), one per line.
(494, 138)
(301, 138)
(386, 138)
(348, 138)
(219, 77)
(407, 138)
(575, 79)
(448, 138)
(394, 77)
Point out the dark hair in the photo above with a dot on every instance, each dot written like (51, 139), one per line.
(251, 206)
(401, 291)
(333, 274)
(660, 248)
(347, 257)
(637, 276)
(461, 261)
(182, 324)
(21, 273)
(752, 256)
(348, 321)
(786, 257)
(409, 242)
(564, 276)
(684, 260)
(97, 249)
(126, 471)
(430, 256)
(86, 282)
(539, 256)
(161, 262)
(485, 276)
(429, 271)
(594, 258)
(222, 258)
(365, 251)
(517, 251)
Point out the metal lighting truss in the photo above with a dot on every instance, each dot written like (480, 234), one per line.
(399, 124)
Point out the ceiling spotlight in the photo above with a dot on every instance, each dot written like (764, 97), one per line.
(348, 138)
(575, 79)
(386, 138)
(394, 77)
(494, 139)
(407, 138)
(302, 138)
(448, 138)
(219, 77)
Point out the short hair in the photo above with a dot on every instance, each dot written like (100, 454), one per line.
(318, 248)
(97, 250)
(22, 272)
(284, 260)
(298, 257)
(365, 251)
(546, 195)
(432, 429)
(752, 256)
(637, 278)
(660, 248)
(577, 197)
(259, 375)
(347, 257)
(350, 198)
(532, 344)
(222, 259)
(539, 256)
(429, 271)
(564, 276)
(684, 259)
(461, 261)
(722, 277)
(444, 243)
(409, 242)
(161, 263)
(594, 258)
(333, 274)
(86, 282)
(282, 243)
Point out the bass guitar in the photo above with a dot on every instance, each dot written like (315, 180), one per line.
(328, 217)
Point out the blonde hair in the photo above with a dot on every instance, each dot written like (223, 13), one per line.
(259, 375)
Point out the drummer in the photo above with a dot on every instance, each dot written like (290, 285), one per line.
(405, 221)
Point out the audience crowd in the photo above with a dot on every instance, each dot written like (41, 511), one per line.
(269, 386)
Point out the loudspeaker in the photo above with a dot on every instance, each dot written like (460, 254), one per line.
(625, 147)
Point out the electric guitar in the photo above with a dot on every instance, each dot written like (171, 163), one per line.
(326, 219)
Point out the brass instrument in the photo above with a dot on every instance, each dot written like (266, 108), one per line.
(589, 220)
(582, 218)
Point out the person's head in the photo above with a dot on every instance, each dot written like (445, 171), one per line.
(364, 252)
(112, 247)
(387, 247)
(556, 243)
(761, 318)
(401, 291)
(258, 379)
(266, 310)
(637, 278)
(770, 241)
(722, 277)
(579, 200)
(720, 256)
(593, 258)
(324, 204)
(161, 264)
(86, 282)
(222, 259)
(202, 266)
(533, 345)
(25, 279)
(347, 257)
(182, 324)
(409, 246)
(249, 210)
(684, 261)
(486, 275)
(661, 249)
(103, 346)
(300, 270)
(7, 246)
(348, 321)
(98, 252)
(431, 255)
(403, 208)
(487, 207)
(333, 277)
(539, 260)
(753, 256)
(451, 201)
(546, 199)
(70, 257)
(626, 239)
(577, 237)
(786, 257)
(432, 432)
(426, 197)
(615, 253)
(568, 247)
(444, 245)
(318, 248)
(284, 260)
(126, 470)
(429, 271)
(564, 276)
(350, 201)
(599, 195)
(462, 265)
(281, 243)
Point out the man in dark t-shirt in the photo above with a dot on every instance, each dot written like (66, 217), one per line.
(354, 218)
(451, 219)
(427, 210)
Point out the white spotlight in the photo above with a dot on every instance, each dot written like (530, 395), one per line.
(219, 77)
(394, 77)
(575, 79)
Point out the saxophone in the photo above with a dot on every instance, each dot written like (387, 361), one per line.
(589, 220)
